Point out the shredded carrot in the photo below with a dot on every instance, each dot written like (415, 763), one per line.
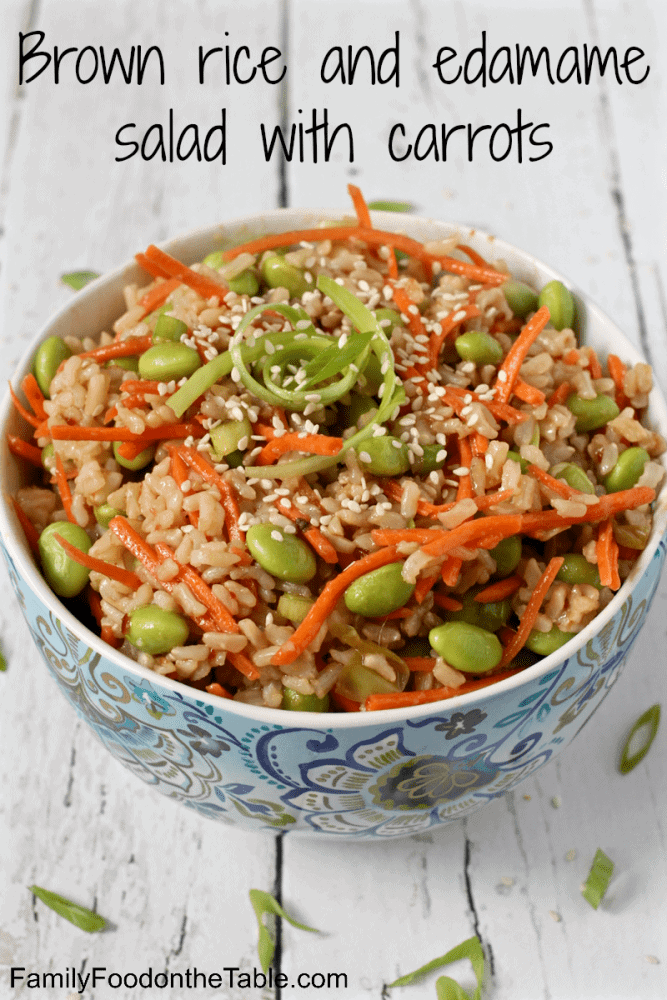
(71, 432)
(424, 586)
(217, 689)
(625, 552)
(223, 618)
(151, 267)
(479, 532)
(500, 590)
(319, 542)
(34, 395)
(606, 550)
(22, 449)
(310, 444)
(420, 664)
(532, 610)
(617, 372)
(174, 268)
(158, 294)
(606, 507)
(450, 576)
(145, 386)
(528, 393)
(594, 366)
(572, 357)
(445, 601)
(18, 405)
(559, 395)
(464, 490)
(346, 704)
(196, 461)
(119, 349)
(117, 573)
(558, 486)
(243, 665)
(448, 325)
(480, 444)
(63, 489)
(360, 206)
(327, 600)
(405, 699)
(396, 615)
(456, 398)
(29, 529)
(130, 450)
(409, 310)
(517, 354)
(475, 257)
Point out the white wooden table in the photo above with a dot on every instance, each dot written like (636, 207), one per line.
(175, 885)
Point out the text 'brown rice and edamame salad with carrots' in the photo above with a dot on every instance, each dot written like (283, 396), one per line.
(337, 470)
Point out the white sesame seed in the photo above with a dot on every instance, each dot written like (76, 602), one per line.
(365, 457)
(652, 959)
(502, 375)
(276, 536)
(303, 324)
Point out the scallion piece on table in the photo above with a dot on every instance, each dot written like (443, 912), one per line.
(649, 722)
(3, 663)
(446, 988)
(595, 886)
(390, 206)
(82, 917)
(264, 903)
(78, 279)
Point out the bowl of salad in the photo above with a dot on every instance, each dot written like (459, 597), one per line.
(334, 525)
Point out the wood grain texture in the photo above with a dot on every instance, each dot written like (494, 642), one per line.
(174, 885)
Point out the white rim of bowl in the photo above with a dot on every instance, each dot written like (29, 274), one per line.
(271, 221)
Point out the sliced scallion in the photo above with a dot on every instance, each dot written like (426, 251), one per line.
(446, 988)
(649, 721)
(87, 920)
(78, 279)
(263, 903)
(595, 886)
(390, 206)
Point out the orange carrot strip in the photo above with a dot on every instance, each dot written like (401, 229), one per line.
(449, 324)
(150, 267)
(475, 257)
(424, 586)
(606, 550)
(222, 616)
(198, 282)
(404, 699)
(420, 664)
(130, 450)
(606, 507)
(158, 295)
(311, 444)
(118, 573)
(326, 602)
(625, 552)
(373, 237)
(617, 372)
(392, 265)
(22, 449)
(34, 395)
(18, 405)
(243, 665)
(480, 444)
(532, 610)
(29, 529)
(500, 590)
(528, 393)
(360, 206)
(63, 488)
(319, 542)
(517, 354)
(407, 308)
(558, 486)
(572, 357)
(346, 704)
(119, 349)
(560, 394)
(146, 386)
(445, 601)
(465, 490)
(217, 689)
(394, 615)
(455, 397)
(196, 461)
(478, 532)
(594, 366)
(71, 432)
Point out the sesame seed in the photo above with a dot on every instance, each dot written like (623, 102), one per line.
(303, 324)
(276, 536)
(235, 374)
(461, 471)
(652, 959)
(365, 457)
(459, 316)
(556, 802)
(502, 375)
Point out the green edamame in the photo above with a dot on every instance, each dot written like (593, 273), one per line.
(130, 364)
(479, 347)
(633, 536)
(358, 682)
(577, 569)
(283, 555)
(154, 630)
(627, 471)
(560, 304)
(105, 513)
(507, 554)
(520, 297)
(544, 643)
(169, 328)
(574, 476)
(167, 361)
(592, 414)
(227, 437)
(245, 283)
(293, 607)
(215, 259)
(384, 456)
(50, 355)
(295, 702)
(489, 615)
(278, 273)
(379, 592)
(467, 647)
(234, 459)
(143, 459)
(434, 458)
(419, 646)
(360, 407)
(64, 575)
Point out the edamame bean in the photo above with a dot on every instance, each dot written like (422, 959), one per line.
(293, 607)
(384, 456)
(284, 556)
(130, 364)
(520, 297)
(358, 682)
(360, 407)
(544, 643)
(143, 459)
(489, 615)
(627, 471)
(419, 646)
(278, 273)
(64, 575)
(592, 414)
(245, 283)
(633, 536)
(105, 513)
(574, 476)
(507, 554)
(50, 355)
(379, 592)
(466, 647)
(154, 630)
(169, 328)
(167, 361)
(479, 347)
(295, 702)
(577, 569)
(234, 459)
(215, 259)
(560, 304)
(429, 461)
(227, 437)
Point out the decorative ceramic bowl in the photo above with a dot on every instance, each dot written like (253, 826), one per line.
(384, 774)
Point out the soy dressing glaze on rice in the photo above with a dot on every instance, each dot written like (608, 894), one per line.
(357, 473)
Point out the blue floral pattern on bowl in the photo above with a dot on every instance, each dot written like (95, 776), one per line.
(368, 779)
